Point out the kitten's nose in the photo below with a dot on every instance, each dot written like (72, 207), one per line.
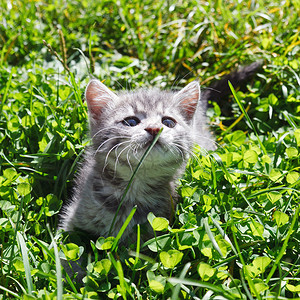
(152, 130)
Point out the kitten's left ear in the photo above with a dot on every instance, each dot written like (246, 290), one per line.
(188, 99)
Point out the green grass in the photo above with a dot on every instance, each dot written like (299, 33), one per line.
(236, 231)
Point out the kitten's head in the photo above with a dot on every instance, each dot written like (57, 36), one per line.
(123, 125)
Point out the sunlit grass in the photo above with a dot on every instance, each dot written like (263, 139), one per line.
(236, 230)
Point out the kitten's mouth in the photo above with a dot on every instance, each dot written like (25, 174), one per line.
(157, 145)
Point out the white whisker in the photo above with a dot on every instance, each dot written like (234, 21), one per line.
(117, 158)
(177, 148)
(207, 138)
(128, 158)
(108, 153)
(106, 141)
(103, 129)
(187, 150)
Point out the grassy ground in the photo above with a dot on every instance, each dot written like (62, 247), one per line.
(236, 231)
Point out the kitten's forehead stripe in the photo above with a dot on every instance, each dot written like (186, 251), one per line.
(145, 100)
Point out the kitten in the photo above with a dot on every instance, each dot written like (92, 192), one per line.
(122, 126)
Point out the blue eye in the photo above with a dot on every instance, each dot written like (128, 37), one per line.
(131, 121)
(169, 122)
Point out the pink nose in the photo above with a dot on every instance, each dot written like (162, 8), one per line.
(152, 130)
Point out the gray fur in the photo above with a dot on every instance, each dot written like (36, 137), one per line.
(117, 149)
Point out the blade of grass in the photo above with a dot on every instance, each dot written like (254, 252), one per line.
(69, 172)
(295, 74)
(18, 285)
(219, 161)
(211, 237)
(138, 244)
(26, 264)
(89, 259)
(121, 278)
(143, 256)
(10, 292)
(245, 286)
(14, 239)
(228, 129)
(205, 285)
(137, 252)
(77, 94)
(214, 177)
(84, 58)
(248, 278)
(132, 177)
(7, 48)
(59, 281)
(224, 235)
(225, 261)
(44, 247)
(285, 243)
(176, 290)
(91, 69)
(7, 87)
(278, 149)
(289, 119)
(246, 116)
(123, 284)
(124, 226)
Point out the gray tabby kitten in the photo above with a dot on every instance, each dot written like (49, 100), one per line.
(122, 127)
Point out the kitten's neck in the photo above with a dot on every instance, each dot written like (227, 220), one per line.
(148, 187)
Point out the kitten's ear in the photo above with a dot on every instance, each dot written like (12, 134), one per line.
(97, 96)
(188, 99)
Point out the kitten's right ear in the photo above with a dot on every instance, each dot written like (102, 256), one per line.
(97, 96)
(188, 99)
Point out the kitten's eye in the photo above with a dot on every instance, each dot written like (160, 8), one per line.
(169, 122)
(131, 121)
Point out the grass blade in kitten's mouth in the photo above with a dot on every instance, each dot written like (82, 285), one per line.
(132, 177)
(157, 144)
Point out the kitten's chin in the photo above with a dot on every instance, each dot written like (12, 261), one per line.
(158, 145)
(158, 149)
(161, 154)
